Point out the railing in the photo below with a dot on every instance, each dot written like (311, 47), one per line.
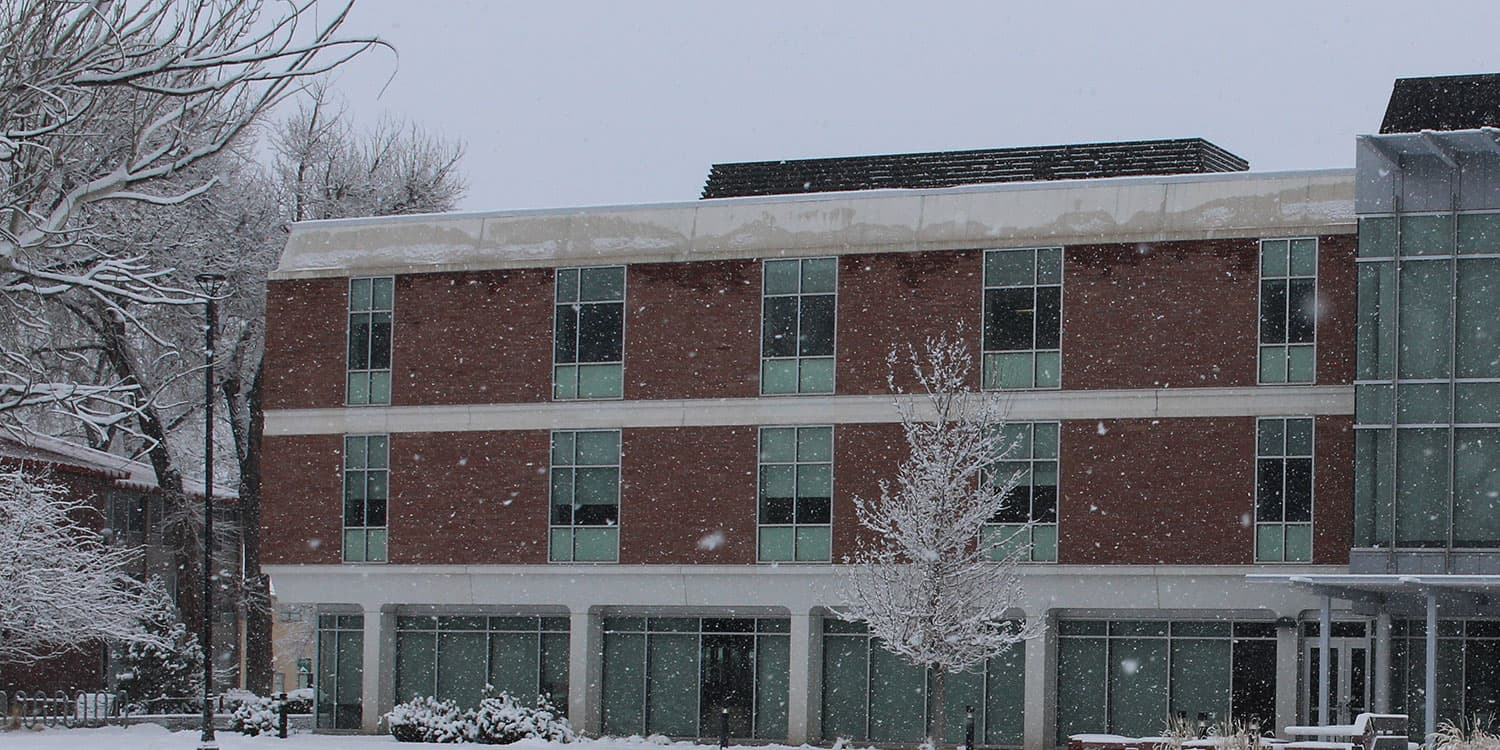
(81, 709)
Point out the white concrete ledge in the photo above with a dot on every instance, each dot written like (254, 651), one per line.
(1029, 214)
(1145, 403)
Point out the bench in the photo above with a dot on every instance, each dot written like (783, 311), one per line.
(1368, 732)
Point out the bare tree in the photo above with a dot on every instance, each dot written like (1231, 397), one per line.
(63, 586)
(107, 100)
(927, 584)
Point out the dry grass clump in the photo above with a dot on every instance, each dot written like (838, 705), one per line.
(1474, 734)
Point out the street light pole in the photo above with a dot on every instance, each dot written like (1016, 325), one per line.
(211, 284)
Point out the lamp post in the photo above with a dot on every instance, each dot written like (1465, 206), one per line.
(211, 285)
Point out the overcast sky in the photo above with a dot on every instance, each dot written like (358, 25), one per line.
(571, 104)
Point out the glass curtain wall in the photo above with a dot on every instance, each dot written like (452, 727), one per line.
(675, 675)
(1468, 670)
(455, 657)
(1427, 403)
(341, 656)
(1132, 677)
(873, 695)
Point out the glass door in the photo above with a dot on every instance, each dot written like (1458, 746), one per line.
(1348, 679)
(728, 682)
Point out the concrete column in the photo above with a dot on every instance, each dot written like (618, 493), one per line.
(1039, 723)
(377, 668)
(804, 681)
(586, 671)
(1382, 677)
(1288, 657)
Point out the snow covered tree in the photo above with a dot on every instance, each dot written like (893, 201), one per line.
(108, 101)
(926, 582)
(170, 664)
(63, 586)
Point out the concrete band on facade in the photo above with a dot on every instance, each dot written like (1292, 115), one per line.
(1118, 210)
(1161, 403)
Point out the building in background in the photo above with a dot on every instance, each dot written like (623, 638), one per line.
(129, 508)
(610, 454)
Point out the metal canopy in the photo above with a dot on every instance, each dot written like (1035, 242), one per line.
(1382, 588)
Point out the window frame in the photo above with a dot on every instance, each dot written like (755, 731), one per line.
(369, 373)
(1260, 322)
(798, 358)
(996, 534)
(624, 315)
(990, 382)
(1312, 489)
(364, 471)
(760, 465)
(552, 526)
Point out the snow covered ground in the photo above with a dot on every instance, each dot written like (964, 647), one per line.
(152, 737)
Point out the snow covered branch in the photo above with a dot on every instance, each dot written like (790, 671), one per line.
(63, 586)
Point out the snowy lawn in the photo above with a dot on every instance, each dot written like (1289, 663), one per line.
(153, 737)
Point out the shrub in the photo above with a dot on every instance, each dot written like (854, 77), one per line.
(498, 720)
(255, 716)
(501, 720)
(427, 719)
(1475, 734)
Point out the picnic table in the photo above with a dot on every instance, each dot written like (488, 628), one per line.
(1368, 732)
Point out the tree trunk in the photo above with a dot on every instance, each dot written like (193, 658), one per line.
(937, 679)
(258, 647)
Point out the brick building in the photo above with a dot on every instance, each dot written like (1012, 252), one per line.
(610, 454)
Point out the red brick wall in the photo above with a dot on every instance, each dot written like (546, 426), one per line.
(864, 454)
(469, 497)
(302, 490)
(692, 330)
(1333, 489)
(1337, 284)
(891, 300)
(1148, 491)
(307, 330)
(687, 495)
(1149, 315)
(473, 338)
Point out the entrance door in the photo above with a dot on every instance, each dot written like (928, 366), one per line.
(728, 682)
(1348, 679)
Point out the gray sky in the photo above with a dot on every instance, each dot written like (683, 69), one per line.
(571, 103)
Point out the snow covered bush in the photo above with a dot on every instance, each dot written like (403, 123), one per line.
(501, 720)
(255, 716)
(427, 719)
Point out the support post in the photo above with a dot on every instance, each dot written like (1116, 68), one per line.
(585, 670)
(1382, 681)
(1429, 713)
(211, 284)
(803, 683)
(1325, 629)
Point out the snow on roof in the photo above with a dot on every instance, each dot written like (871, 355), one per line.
(1020, 214)
(126, 473)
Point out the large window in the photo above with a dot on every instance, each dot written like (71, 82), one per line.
(1288, 310)
(588, 343)
(585, 496)
(1023, 318)
(1283, 490)
(341, 658)
(1427, 382)
(1128, 677)
(371, 302)
(674, 675)
(1029, 517)
(796, 494)
(367, 488)
(873, 695)
(798, 310)
(455, 657)
(1468, 683)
